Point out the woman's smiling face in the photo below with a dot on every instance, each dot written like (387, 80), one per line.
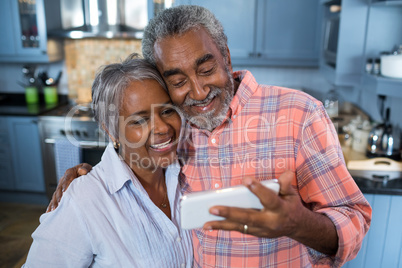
(149, 126)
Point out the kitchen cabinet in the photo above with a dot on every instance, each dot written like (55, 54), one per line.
(347, 69)
(382, 246)
(25, 169)
(288, 32)
(384, 31)
(6, 169)
(268, 32)
(24, 33)
(366, 29)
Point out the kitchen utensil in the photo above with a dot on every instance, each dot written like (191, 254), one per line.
(360, 137)
(49, 81)
(384, 140)
(376, 169)
(57, 80)
(50, 93)
(29, 74)
(43, 76)
(31, 95)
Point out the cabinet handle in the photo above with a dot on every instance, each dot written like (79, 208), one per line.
(255, 55)
(83, 144)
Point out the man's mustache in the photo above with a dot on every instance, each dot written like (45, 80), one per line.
(212, 94)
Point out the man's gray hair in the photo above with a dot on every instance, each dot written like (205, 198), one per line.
(109, 85)
(179, 20)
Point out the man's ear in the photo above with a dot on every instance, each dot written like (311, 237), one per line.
(229, 59)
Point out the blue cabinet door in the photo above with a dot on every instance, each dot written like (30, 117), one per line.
(6, 168)
(351, 39)
(382, 246)
(269, 32)
(7, 30)
(24, 35)
(26, 154)
(238, 19)
(37, 18)
(288, 31)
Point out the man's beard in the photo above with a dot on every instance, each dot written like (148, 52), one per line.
(210, 120)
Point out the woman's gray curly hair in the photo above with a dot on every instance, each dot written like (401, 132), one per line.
(109, 85)
(179, 20)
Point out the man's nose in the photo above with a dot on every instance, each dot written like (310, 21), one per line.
(198, 90)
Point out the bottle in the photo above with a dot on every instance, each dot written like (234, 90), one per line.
(376, 66)
(369, 65)
(331, 103)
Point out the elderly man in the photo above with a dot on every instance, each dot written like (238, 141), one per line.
(239, 131)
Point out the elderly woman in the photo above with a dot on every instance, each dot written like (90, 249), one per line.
(125, 212)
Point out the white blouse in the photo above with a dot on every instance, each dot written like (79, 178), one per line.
(106, 219)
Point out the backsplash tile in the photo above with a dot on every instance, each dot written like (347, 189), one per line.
(83, 57)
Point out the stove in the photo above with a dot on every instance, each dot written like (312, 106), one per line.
(76, 128)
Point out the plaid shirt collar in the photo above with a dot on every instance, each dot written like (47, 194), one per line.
(246, 89)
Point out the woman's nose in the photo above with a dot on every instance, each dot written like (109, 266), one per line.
(160, 126)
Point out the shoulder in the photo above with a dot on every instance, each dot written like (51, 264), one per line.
(88, 187)
(288, 96)
(291, 103)
(271, 96)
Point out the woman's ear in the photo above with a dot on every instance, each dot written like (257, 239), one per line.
(108, 133)
(116, 143)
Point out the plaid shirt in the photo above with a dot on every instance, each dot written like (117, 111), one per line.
(268, 130)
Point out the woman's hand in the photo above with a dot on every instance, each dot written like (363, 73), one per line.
(70, 175)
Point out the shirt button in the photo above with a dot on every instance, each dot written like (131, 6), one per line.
(178, 239)
(213, 141)
(183, 265)
(216, 185)
(234, 116)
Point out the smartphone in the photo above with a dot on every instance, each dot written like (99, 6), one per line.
(194, 207)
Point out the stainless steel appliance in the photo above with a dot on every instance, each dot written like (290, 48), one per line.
(76, 125)
(103, 18)
(384, 140)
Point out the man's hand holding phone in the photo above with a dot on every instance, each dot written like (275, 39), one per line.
(277, 217)
(195, 207)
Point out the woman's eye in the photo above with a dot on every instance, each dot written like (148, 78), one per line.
(139, 121)
(168, 111)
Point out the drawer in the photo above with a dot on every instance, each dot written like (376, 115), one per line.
(3, 123)
(6, 178)
(4, 140)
